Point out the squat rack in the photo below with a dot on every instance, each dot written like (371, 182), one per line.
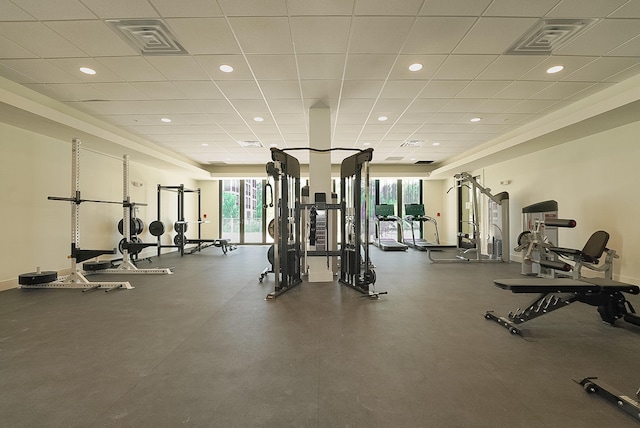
(180, 226)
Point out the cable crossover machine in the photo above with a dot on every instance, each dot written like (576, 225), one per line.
(285, 255)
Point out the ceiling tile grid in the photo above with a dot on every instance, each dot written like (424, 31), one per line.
(289, 55)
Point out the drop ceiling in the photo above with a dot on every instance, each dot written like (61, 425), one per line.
(290, 55)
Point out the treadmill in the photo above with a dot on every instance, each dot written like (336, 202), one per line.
(385, 213)
(415, 216)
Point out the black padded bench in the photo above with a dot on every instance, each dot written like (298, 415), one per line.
(201, 244)
(555, 293)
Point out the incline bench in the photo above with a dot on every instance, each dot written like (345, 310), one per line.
(555, 293)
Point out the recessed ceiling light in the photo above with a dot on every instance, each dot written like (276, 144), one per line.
(555, 69)
(87, 70)
(165, 120)
(226, 68)
(436, 144)
(204, 145)
(258, 119)
(382, 118)
(366, 144)
(273, 145)
(415, 67)
(412, 159)
(475, 119)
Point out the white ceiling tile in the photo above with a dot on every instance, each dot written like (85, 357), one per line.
(204, 35)
(464, 66)
(369, 66)
(493, 35)
(291, 105)
(388, 7)
(482, 89)
(570, 63)
(251, 31)
(461, 105)
(320, 34)
(602, 37)
(273, 67)
(589, 90)
(324, 7)
(402, 89)
(158, 90)
(561, 90)
(184, 9)
(361, 88)
(446, 118)
(121, 9)
(211, 65)
(13, 51)
(253, 8)
(351, 118)
(438, 35)
(290, 118)
(10, 12)
(430, 64)
(414, 119)
(454, 7)
(601, 69)
(49, 10)
(390, 107)
(522, 89)
(625, 74)
(294, 129)
(130, 68)
(520, 7)
(356, 105)
(281, 89)
(238, 90)
(178, 67)
(93, 37)
(198, 89)
(39, 71)
(68, 92)
(248, 106)
(630, 9)
(443, 88)
(585, 9)
(531, 106)
(630, 48)
(321, 66)
(496, 106)
(119, 91)
(510, 67)
(37, 38)
(72, 66)
(320, 89)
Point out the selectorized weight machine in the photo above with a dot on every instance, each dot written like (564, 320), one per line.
(285, 255)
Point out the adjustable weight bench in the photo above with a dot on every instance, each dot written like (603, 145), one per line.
(556, 293)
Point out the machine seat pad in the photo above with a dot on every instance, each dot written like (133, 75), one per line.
(564, 285)
(568, 251)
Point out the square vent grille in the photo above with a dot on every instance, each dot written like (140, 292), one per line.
(148, 36)
(412, 143)
(549, 35)
(250, 143)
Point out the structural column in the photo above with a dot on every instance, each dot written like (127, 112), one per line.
(320, 179)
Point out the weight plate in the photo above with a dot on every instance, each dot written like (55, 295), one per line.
(120, 245)
(139, 226)
(132, 226)
(32, 278)
(180, 227)
(177, 240)
(156, 228)
(270, 254)
(271, 229)
(92, 266)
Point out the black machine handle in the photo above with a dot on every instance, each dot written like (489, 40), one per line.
(560, 222)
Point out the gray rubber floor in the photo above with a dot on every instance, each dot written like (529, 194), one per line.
(203, 348)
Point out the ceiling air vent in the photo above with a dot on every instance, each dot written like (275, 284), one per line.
(424, 162)
(549, 35)
(148, 36)
(250, 143)
(412, 143)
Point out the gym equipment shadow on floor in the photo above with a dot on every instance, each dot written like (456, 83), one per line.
(203, 348)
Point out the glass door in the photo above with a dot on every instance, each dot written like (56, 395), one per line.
(243, 217)
(230, 210)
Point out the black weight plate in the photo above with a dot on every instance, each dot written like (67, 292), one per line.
(156, 228)
(271, 254)
(139, 226)
(132, 226)
(120, 244)
(92, 266)
(32, 278)
(180, 227)
(177, 240)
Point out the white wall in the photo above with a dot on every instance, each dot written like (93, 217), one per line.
(593, 179)
(37, 232)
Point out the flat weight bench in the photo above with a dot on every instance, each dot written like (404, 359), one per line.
(555, 293)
